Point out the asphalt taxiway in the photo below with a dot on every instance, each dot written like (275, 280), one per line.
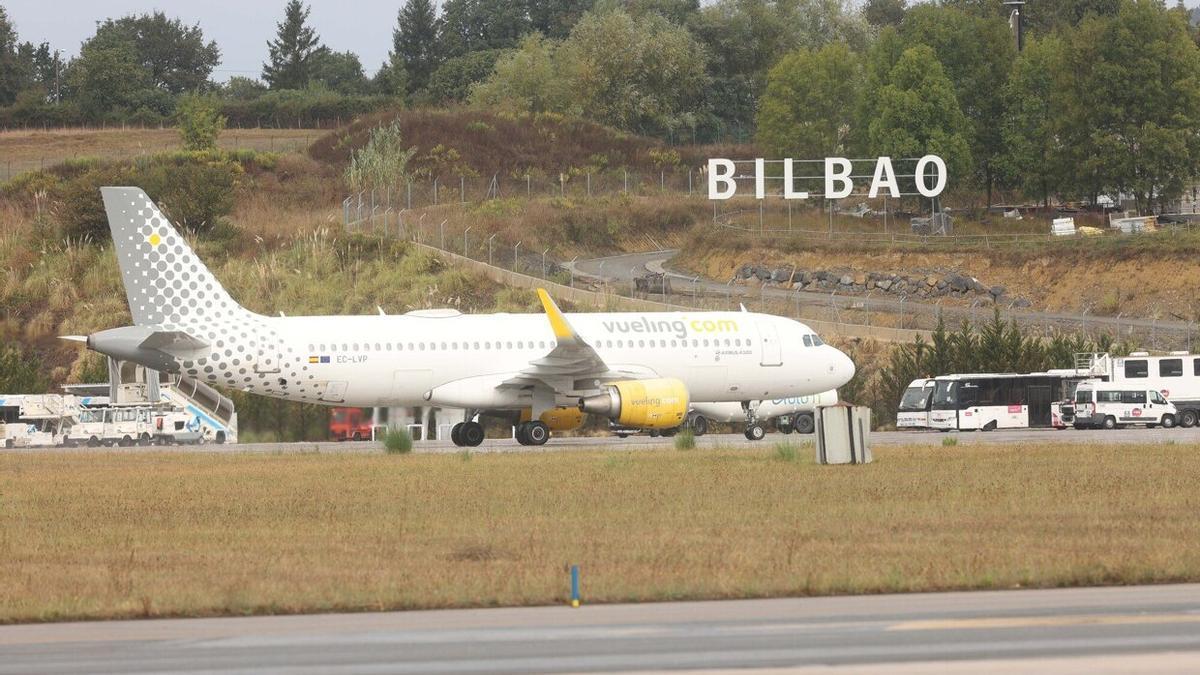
(1121, 629)
(1025, 438)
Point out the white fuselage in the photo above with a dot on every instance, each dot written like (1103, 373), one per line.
(458, 360)
(766, 410)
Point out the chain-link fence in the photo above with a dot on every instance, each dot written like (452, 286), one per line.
(838, 306)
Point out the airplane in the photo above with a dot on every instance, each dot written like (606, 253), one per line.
(639, 369)
(793, 413)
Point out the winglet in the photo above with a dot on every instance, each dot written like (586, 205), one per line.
(558, 322)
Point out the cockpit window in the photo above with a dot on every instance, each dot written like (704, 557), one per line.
(816, 340)
(807, 341)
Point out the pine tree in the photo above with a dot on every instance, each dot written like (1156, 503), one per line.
(295, 52)
(414, 43)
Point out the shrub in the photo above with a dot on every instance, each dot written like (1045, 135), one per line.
(20, 374)
(949, 441)
(786, 452)
(397, 442)
(384, 160)
(199, 122)
(685, 440)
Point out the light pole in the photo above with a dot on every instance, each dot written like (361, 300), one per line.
(515, 255)
(465, 239)
(603, 284)
(544, 262)
(572, 271)
(442, 227)
(490, 248)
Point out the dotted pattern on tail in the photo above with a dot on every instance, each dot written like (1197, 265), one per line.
(169, 288)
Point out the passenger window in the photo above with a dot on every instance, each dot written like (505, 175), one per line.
(1135, 397)
(1196, 367)
(1170, 368)
(1135, 369)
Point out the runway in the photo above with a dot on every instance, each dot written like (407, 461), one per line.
(1091, 629)
(1027, 438)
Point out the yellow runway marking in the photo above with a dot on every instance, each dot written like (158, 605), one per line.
(1046, 621)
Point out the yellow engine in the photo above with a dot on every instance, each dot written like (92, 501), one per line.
(641, 404)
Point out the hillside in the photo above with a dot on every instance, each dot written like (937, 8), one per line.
(472, 142)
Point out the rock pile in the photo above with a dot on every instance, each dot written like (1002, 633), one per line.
(927, 285)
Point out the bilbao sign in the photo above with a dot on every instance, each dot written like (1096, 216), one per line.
(929, 176)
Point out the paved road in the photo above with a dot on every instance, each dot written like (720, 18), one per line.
(1083, 630)
(1026, 438)
(623, 268)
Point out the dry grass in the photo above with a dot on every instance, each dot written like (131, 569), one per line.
(27, 150)
(117, 535)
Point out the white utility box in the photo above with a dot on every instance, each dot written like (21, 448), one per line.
(843, 434)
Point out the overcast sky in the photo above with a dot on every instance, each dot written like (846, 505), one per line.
(240, 27)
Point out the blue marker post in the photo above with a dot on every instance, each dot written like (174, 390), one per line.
(575, 585)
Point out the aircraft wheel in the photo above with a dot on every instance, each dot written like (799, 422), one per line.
(785, 428)
(537, 433)
(1188, 418)
(805, 424)
(655, 433)
(667, 433)
(456, 434)
(699, 425)
(471, 434)
(755, 432)
(622, 435)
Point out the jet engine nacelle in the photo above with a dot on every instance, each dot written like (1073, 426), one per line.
(660, 403)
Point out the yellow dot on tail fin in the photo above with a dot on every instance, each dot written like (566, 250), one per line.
(154, 239)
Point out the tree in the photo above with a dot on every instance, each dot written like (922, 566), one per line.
(175, 56)
(20, 373)
(918, 114)
(809, 107)
(473, 25)
(977, 54)
(414, 42)
(13, 77)
(1128, 102)
(884, 12)
(200, 122)
(342, 72)
(1030, 139)
(295, 52)
(107, 79)
(241, 88)
(528, 79)
(556, 18)
(646, 75)
(452, 80)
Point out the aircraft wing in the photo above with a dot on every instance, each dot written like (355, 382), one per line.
(570, 361)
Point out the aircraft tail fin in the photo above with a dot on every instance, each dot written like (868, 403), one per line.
(165, 281)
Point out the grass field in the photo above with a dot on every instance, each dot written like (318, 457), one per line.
(126, 535)
(26, 150)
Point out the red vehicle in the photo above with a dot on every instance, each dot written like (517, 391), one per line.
(349, 424)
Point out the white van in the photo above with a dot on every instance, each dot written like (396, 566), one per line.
(1111, 405)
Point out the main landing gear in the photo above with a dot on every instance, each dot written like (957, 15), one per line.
(467, 434)
(533, 433)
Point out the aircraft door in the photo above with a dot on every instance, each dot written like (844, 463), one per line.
(268, 359)
(1039, 405)
(772, 352)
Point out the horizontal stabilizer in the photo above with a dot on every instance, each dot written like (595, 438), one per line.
(173, 342)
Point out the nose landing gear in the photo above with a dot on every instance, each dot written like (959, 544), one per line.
(755, 431)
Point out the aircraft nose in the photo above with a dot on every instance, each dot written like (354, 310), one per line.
(842, 369)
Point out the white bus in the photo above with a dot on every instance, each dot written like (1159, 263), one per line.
(987, 401)
(1112, 405)
(914, 405)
